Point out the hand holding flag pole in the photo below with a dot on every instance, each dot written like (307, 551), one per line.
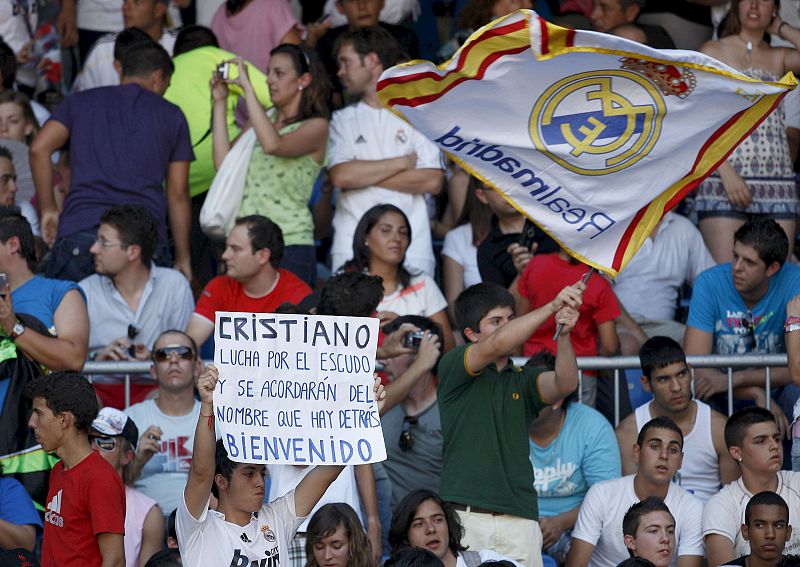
(585, 280)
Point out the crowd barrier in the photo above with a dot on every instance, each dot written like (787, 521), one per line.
(615, 364)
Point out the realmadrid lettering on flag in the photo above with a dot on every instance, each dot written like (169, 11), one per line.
(594, 137)
(297, 389)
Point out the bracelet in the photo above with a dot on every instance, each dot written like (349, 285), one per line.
(792, 319)
(792, 328)
(780, 27)
(204, 415)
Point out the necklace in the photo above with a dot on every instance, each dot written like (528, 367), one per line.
(748, 45)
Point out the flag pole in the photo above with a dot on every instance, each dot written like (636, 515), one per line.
(584, 280)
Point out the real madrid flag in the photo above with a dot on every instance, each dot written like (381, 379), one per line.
(594, 137)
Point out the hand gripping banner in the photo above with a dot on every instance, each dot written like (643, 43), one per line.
(591, 136)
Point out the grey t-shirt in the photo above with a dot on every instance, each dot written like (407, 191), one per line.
(420, 467)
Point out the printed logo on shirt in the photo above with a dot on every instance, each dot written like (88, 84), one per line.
(554, 481)
(52, 516)
(268, 534)
(177, 458)
(361, 140)
(240, 559)
(401, 137)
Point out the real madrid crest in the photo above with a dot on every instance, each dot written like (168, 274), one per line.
(600, 122)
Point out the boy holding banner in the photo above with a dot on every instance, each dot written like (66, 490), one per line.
(487, 404)
(243, 530)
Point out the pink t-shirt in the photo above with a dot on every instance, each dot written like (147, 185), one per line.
(255, 30)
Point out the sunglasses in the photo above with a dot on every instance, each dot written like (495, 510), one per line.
(103, 443)
(165, 353)
(406, 441)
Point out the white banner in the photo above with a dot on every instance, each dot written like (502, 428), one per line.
(297, 389)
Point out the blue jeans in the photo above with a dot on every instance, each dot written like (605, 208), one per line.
(70, 259)
(301, 260)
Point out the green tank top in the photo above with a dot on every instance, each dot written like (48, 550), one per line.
(279, 188)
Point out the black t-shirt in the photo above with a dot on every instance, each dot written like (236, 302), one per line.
(740, 562)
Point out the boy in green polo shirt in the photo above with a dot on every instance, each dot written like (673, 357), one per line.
(487, 405)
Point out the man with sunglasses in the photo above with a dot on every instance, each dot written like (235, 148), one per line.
(739, 308)
(130, 299)
(167, 422)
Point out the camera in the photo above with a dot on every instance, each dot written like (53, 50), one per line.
(224, 70)
(532, 234)
(413, 339)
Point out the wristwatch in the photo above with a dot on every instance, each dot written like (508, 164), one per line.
(17, 330)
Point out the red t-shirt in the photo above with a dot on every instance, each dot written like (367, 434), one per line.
(84, 501)
(224, 293)
(543, 278)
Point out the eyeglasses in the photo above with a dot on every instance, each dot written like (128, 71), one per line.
(165, 353)
(104, 443)
(406, 441)
(103, 243)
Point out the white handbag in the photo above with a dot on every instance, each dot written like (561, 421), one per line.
(224, 197)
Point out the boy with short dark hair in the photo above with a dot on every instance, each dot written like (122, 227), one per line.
(658, 453)
(648, 530)
(766, 527)
(487, 405)
(706, 462)
(85, 518)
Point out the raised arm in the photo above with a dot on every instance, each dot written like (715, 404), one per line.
(201, 473)
(555, 385)
(424, 361)
(514, 333)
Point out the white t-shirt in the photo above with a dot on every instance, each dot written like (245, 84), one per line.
(420, 297)
(99, 71)
(285, 478)
(164, 476)
(458, 247)
(724, 513)
(600, 520)
(13, 29)
(100, 15)
(210, 541)
(361, 132)
(661, 266)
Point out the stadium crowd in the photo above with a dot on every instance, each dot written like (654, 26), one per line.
(163, 161)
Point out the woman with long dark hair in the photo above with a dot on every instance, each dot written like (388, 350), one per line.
(758, 177)
(290, 150)
(379, 248)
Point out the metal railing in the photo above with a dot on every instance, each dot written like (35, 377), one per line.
(617, 364)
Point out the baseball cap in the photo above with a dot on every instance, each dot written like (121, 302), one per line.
(111, 421)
